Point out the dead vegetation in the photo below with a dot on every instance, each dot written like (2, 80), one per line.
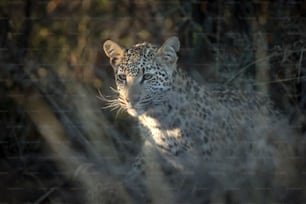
(58, 144)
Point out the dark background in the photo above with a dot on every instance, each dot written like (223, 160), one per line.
(58, 144)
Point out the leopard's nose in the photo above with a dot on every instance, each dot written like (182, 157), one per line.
(134, 94)
(134, 98)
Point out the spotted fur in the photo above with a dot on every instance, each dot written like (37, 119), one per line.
(231, 128)
(175, 112)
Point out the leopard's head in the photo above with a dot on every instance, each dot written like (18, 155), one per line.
(143, 73)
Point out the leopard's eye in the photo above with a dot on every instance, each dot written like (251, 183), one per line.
(122, 77)
(147, 76)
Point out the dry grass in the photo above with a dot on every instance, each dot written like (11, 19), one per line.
(58, 144)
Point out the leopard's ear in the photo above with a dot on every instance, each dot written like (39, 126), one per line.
(113, 51)
(167, 52)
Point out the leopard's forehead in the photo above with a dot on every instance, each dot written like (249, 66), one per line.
(138, 58)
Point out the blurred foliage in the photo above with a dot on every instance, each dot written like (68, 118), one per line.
(51, 51)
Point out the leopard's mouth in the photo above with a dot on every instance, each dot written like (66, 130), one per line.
(139, 108)
(132, 112)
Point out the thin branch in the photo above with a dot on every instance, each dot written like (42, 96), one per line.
(248, 66)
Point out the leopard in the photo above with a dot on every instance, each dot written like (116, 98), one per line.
(191, 123)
